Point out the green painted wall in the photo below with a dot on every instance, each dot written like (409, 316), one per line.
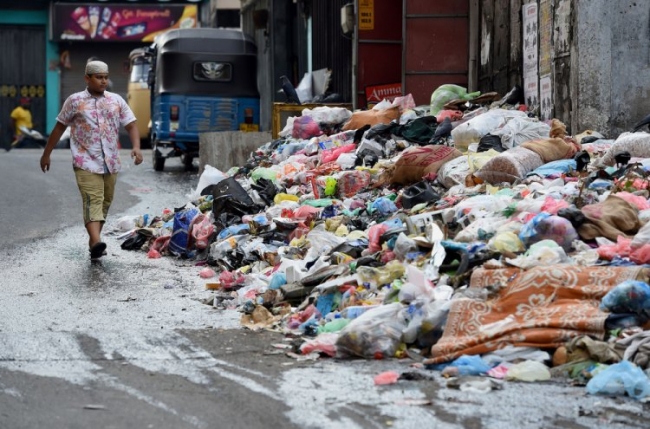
(52, 78)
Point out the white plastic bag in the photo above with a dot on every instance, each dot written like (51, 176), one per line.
(472, 130)
(642, 237)
(376, 334)
(328, 115)
(210, 176)
(454, 172)
(517, 131)
(304, 89)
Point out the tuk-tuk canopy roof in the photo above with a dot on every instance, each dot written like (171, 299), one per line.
(207, 40)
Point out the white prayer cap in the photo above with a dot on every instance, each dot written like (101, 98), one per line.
(94, 67)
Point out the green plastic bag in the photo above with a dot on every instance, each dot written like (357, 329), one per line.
(445, 93)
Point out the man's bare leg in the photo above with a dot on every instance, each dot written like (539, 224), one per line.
(94, 229)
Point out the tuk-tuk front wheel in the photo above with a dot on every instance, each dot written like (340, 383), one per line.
(158, 160)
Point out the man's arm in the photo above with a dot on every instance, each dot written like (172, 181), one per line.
(54, 138)
(134, 136)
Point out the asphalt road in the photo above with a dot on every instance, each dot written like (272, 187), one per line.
(129, 343)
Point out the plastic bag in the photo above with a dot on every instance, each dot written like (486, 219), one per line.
(446, 93)
(480, 229)
(378, 276)
(506, 242)
(376, 334)
(548, 227)
(210, 176)
(619, 379)
(178, 244)
(467, 365)
(473, 130)
(324, 343)
(542, 253)
(520, 130)
(126, 223)
(476, 160)
(201, 230)
(304, 127)
(630, 296)
(454, 172)
(427, 322)
(328, 115)
(529, 370)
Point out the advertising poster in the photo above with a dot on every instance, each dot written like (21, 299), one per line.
(531, 91)
(530, 49)
(545, 34)
(118, 22)
(546, 97)
(366, 14)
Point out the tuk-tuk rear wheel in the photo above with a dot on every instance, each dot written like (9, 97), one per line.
(158, 160)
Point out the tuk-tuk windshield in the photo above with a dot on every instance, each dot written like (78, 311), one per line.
(140, 67)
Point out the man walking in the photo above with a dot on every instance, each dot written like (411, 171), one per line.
(94, 117)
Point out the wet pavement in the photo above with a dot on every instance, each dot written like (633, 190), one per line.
(129, 343)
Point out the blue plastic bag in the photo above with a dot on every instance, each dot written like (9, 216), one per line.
(631, 296)
(467, 365)
(180, 232)
(619, 379)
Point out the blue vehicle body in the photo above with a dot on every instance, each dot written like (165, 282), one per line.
(202, 80)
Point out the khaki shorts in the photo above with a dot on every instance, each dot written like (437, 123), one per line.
(96, 194)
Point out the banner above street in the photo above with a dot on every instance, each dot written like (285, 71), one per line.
(118, 22)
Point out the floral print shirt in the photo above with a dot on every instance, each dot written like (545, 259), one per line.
(94, 126)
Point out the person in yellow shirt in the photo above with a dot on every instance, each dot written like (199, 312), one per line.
(21, 116)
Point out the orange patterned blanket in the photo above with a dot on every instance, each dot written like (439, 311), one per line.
(542, 307)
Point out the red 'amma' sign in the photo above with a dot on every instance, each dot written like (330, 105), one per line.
(377, 93)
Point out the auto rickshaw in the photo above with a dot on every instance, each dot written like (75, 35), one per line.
(201, 80)
(138, 93)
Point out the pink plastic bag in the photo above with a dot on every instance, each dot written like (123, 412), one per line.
(330, 155)
(232, 279)
(202, 230)
(207, 273)
(304, 127)
(552, 206)
(636, 200)
(621, 248)
(158, 247)
(324, 343)
(153, 254)
(453, 115)
(388, 377)
(374, 236)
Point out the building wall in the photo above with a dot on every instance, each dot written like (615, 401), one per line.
(613, 87)
(599, 58)
(264, 60)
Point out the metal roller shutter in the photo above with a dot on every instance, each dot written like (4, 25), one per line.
(23, 69)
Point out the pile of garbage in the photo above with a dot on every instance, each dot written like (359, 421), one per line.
(467, 235)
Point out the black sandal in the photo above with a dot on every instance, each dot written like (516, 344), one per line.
(97, 251)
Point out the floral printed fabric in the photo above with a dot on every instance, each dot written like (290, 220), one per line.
(94, 126)
(542, 307)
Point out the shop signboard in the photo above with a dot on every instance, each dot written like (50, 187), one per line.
(118, 22)
(377, 93)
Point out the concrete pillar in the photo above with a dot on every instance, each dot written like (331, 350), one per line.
(227, 149)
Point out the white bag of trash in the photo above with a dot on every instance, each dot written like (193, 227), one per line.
(472, 130)
(210, 176)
